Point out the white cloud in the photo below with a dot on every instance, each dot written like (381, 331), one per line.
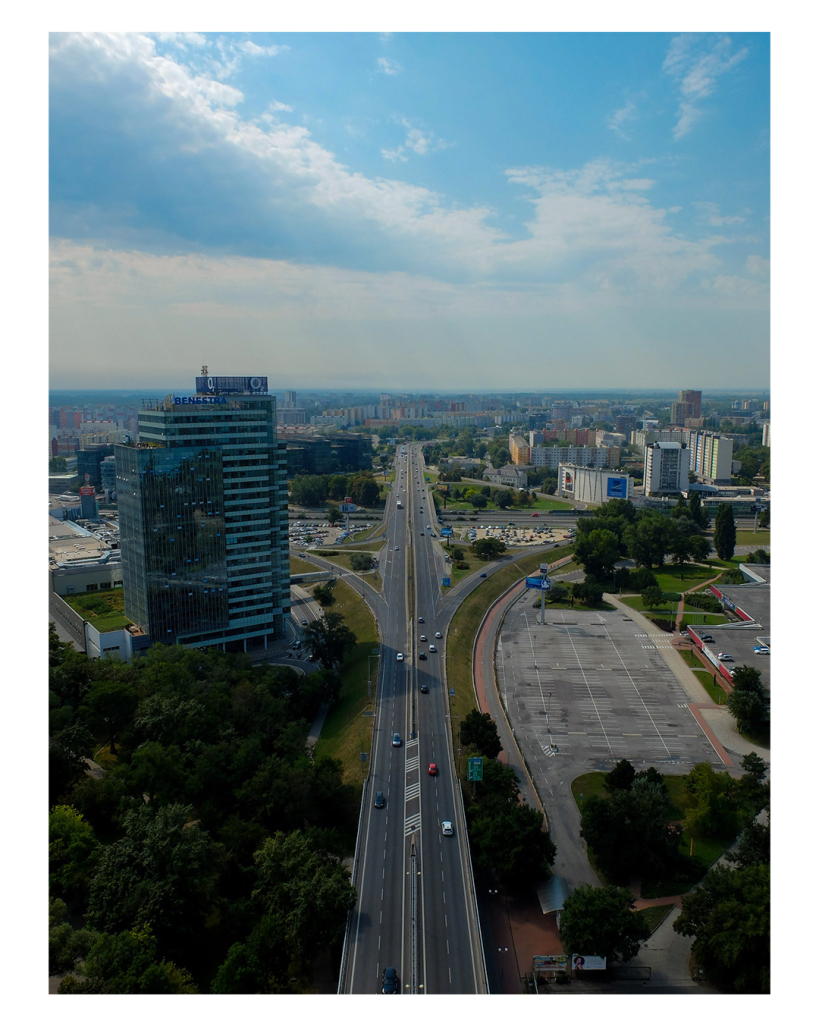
(619, 119)
(388, 67)
(275, 105)
(394, 154)
(758, 266)
(253, 50)
(695, 63)
(711, 212)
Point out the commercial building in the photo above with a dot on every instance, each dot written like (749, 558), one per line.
(665, 468)
(203, 517)
(593, 486)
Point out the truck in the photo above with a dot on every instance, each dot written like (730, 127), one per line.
(398, 504)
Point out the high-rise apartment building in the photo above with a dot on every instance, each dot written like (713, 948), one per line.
(666, 468)
(203, 517)
(694, 399)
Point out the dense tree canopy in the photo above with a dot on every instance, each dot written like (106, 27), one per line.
(157, 853)
(329, 639)
(725, 532)
(601, 922)
(479, 731)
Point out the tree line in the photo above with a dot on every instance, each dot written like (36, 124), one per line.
(208, 854)
(311, 491)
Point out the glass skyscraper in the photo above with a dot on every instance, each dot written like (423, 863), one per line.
(203, 517)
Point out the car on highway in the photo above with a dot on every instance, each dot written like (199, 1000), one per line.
(535, 515)
(724, 657)
(423, 638)
(396, 547)
(396, 739)
(438, 636)
(379, 799)
(483, 575)
(399, 657)
(389, 982)
(446, 828)
(432, 770)
(424, 688)
(422, 656)
(432, 648)
(420, 618)
(761, 649)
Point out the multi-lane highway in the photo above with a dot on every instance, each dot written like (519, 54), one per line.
(415, 910)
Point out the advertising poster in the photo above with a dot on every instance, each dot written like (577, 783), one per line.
(581, 962)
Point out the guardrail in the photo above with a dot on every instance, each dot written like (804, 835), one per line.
(484, 979)
(342, 971)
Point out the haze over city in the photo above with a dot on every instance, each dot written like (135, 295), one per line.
(409, 211)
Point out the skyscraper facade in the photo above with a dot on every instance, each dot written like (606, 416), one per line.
(203, 517)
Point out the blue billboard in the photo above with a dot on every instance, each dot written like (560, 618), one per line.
(617, 487)
(538, 583)
(446, 531)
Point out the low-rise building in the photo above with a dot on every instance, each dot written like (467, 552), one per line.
(593, 486)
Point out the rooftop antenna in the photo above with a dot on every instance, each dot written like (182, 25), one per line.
(204, 370)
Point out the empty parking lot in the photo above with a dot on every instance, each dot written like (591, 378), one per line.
(589, 688)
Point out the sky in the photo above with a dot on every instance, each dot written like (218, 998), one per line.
(411, 211)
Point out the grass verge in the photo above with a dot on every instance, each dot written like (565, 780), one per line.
(760, 539)
(654, 916)
(464, 626)
(347, 731)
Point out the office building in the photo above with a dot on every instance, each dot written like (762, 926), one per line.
(203, 517)
(666, 468)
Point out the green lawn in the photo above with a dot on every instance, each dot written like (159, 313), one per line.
(668, 578)
(345, 558)
(464, 626)
(347, 731)
(760, 539)
(104, 609)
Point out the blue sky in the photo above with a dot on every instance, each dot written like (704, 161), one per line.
(412, 211)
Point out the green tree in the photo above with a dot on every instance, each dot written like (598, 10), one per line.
(323, 593)
(361, 561)
(308, 491)
(488, 548)
(714, 802)
(57, 464)
(510, 840)
(66, 946)
(109, 706)
(337, 487)
(590, 592)
(601, 922)
(753, 846)
(630, 831)
(329, 639)
(73, 852)
(364, 489)
(478, 500)
(725, 532)
(648, 540)
(159, 873)
(479, 731)
(302, 882)
(334, 515)
(730, 918)
(652, 597)
(502, 497)
(129, 964)
(748, 701)
(597, 550)
(620, 777)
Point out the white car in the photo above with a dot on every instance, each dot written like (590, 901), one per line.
(724, 657)
(399, 657)
(423, 638)
(438, 636)
(762, 650)
(446, 828)
(432, 648)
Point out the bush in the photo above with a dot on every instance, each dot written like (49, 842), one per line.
(641, 579)
(707, 602)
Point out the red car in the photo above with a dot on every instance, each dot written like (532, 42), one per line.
(535, 515)
(432, 770)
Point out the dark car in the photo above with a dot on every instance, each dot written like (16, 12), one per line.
(420, 618)
(707, 639)
(422, 656)
(389, 981)
(424, 688)
(379, 799)
(483, 575)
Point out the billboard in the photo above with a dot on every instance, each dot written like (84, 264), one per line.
(446, 531)
(568, 480)
(588, 963)
(553, 962)
(474, 772)
(446, 581)
(538, 583)
(617, 487)
(231, 385)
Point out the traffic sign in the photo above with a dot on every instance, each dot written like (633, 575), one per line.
(474, 770)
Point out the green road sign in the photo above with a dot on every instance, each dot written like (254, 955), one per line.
(474, 770)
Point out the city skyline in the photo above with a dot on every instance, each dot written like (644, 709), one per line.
(413, 212)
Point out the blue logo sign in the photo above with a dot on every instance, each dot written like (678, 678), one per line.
(617, 487)
(199, 400)
(446, 580)
(446, 531)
